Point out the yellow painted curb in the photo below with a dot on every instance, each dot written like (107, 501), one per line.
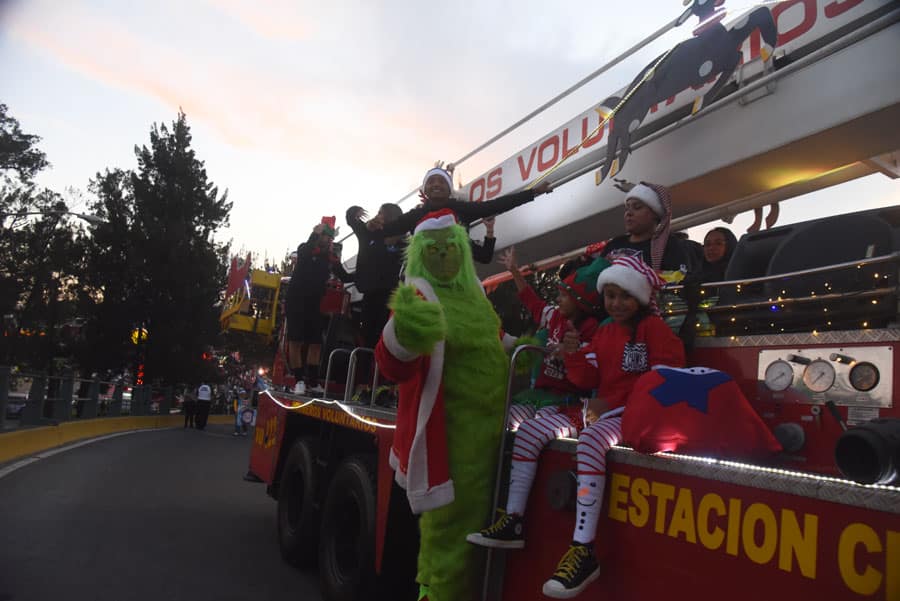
(28, 441)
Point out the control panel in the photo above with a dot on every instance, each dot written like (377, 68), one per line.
(855, 377)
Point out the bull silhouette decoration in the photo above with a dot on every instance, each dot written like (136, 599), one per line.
(713, 53)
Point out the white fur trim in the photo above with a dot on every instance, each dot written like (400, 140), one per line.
(509, 342)
(649, 197)
(434, 498)
(438, 171)
(421, 497)
(631, 281)
(435, 223)
(389, 335)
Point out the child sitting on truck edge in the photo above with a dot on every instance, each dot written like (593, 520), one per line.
(635, 340)
(553, 408)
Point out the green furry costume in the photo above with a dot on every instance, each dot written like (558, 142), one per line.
(473, 389)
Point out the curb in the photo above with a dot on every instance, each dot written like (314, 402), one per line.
(20, 443)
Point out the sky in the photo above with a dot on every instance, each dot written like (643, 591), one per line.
(302, 108)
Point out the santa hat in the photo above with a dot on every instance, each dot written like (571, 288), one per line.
(580, 285)
(634, 277)
(328, 223)
(441, 172)
(436, 220)
(660, 202)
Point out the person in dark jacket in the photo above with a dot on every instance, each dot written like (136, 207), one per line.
(378, 264)
(437, 189)
(316, 264)
(483, 252)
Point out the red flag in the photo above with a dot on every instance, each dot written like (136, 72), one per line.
(694, 410)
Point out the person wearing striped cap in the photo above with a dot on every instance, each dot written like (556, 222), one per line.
(634, 341)
(648, 214)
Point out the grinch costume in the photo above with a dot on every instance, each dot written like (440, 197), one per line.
(442, 345)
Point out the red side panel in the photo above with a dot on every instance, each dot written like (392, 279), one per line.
(267, 438)
(675, 537)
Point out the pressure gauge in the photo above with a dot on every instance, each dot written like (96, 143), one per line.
(819, 375)
(779, 375)
(864, 376)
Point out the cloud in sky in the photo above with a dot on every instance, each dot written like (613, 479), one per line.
(280, 20)
(300, 107)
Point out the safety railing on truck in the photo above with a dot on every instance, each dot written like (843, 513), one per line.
(34, 399)
(854, 294)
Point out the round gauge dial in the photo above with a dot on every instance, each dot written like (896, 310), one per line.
(864, 376)
(819, 375)
(779, 375)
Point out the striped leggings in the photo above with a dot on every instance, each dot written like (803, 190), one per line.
(593, 443)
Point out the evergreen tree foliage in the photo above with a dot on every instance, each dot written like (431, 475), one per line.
(155, 266)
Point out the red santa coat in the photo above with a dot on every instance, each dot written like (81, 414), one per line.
(419, 451)
(599, 365)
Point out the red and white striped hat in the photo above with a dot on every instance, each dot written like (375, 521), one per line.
(634, 277)
(436, 220)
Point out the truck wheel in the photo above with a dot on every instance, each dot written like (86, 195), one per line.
(346, 550)
(297, 516)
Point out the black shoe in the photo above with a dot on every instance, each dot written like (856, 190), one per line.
(386, 396)
(505, 533)
(577, 569)
(362, 396)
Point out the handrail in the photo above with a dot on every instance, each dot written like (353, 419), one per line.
(499, 475)
(328, 369)
(859, 264)
(351, 374)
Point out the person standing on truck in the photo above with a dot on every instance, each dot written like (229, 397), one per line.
(635, 340)
(437, 194)
(442, 345)
(316, 264)
(378, 265)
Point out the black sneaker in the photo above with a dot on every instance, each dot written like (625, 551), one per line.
(577, 569)
(385, 396)
(505, 533)
(362, 396)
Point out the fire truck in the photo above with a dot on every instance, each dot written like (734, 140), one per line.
(806, 322)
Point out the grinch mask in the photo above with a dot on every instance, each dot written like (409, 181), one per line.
(442, 257)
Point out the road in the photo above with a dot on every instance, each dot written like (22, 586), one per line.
(150, 516)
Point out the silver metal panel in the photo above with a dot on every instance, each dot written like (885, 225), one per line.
(872, 336)
(841, 392)
(813, 486)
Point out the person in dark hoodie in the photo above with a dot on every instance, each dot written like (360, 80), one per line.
(437, 193)
(378, 264)
(718, 246)
(316, 264)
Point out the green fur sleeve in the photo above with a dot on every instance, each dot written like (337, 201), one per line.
(419, 324)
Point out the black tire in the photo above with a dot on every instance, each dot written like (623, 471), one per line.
(298, 518)
(347, 536)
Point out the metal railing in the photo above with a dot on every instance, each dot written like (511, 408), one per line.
(38, 399)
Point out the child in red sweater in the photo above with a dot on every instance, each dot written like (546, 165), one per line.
(630, 344)
(636, 340)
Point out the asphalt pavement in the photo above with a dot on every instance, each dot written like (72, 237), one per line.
(150, 516)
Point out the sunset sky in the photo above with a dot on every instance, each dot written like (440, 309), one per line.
(301, 109)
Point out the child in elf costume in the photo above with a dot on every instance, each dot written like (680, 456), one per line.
(553, 408)
(442, 345)
(630, 344)
(578, 305)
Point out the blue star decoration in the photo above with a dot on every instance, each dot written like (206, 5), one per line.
(690, 386)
